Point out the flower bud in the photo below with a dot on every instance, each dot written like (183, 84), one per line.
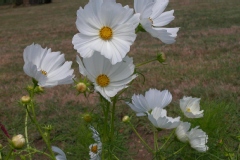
(25, 99)
(29, 88)
(161, 57)
(1, 147)
(18, 141)
(87, 117)
(38, 89)
(126, 119)
(81, 87)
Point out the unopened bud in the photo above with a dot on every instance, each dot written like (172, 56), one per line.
(161, 57)
(38, 89)
(81, 87)
(29, 88)
(18, 141)
(87, 117)
(1, 147)
(25, 99)
(126, 119)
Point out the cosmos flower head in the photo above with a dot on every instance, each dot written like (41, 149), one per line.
(107, 27)
(47, 68)
(153, 19)
(159, 119)
(191, 107)
(153, 98)
(108, 79)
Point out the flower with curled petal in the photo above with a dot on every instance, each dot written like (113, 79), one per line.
(46, 67)
(107, 27)
(190, 107)
(159, 119)
(108, 79)
(142, 105)
(198, 139)
(153, 19)
(182, 130)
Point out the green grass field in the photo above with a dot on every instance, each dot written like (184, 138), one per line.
(204, 62)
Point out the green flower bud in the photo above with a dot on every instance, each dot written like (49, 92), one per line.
(126, 119)
(38, 89)
(1, 146)
(18, 141)
(81, 87)
(161, 57)
(25, 99)
(87, 117)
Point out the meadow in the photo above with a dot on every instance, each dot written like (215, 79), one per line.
(204, 62)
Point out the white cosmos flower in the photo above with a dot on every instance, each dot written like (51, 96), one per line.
(48, 68)
(153, 98)
(108, 79)
(95, 133)
(95, 151)
(190, 107)
(182, 131)
(61, 155)
(153, 19)
(107, 27)
(159, 119)
(198, 139)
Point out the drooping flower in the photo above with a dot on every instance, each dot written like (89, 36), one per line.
(96, 148)
(95, 135)
(190, 107)
(198, 139)
(95, 151)
(108, 79)
(60, 154)
(48, 68)
(107, 27)
(153, 19)
(153, 98)
(182, 131)
(159, 119)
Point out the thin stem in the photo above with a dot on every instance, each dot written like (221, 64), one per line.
(37, 151)
(138, 65)
(177, 151)
(112, 117)
(155, 139)
(143, 142)
(9, 154)
(26, 133)
(167, 139)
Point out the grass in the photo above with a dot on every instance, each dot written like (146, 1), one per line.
(204, 62)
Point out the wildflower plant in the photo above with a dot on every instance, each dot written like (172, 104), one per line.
(106, 31)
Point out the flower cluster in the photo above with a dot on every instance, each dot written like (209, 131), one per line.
(153, 104)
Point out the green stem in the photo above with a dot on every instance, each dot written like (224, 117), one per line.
(176, 151)
(138, 65)
(26, 132)
(167, 139)
(35, 122)
(112, 117)
(9, 154)
(143, 142)
(155, 139)
(37, 151)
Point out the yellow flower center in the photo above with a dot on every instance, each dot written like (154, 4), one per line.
(94, 149)
(188, 110)
(103, 80)
(44, 72)
(106, 33)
